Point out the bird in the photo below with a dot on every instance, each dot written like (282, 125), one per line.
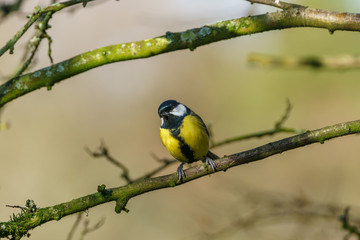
(185, 135)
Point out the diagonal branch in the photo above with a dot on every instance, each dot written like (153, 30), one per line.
(34, 43)
(295, 16)
(26, 221)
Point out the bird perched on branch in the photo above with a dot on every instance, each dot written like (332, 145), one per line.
(184, 134)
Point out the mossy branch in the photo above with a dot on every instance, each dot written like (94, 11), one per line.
(27, 220)
(291, 16)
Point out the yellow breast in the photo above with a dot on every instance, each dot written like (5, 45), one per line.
(172, 144)
(193, 134)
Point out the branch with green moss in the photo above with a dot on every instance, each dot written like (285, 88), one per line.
(342, 62)
(290, 17)
(34, 217)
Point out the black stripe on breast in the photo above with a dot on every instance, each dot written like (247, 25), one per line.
(185, 149)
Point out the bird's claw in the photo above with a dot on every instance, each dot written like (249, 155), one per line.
(211, 163)
(180, 172)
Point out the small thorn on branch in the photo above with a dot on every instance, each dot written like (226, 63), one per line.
(16, 206)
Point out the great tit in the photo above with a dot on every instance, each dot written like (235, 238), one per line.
(184, 135)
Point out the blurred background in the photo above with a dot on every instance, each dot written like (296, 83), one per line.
(42, 152)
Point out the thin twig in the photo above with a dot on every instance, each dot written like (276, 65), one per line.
(16, 206)
(351, 229)
(34, 43)
(104, 152)
(164, 164)
(38, 11)
(88, 229)
(278, 128)
(286, 115)
(276, 3)
(75, 225)
(276, 207)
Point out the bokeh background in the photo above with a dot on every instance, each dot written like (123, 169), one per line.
(42, 152)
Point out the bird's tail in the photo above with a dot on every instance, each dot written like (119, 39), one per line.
(212, 155)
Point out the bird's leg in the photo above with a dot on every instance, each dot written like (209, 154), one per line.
(180, 172)
(211, 163)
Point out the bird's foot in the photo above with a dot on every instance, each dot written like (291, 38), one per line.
(180, 172)
(211, 163)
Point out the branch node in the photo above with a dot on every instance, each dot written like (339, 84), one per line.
(102, 189)
(31, 206)
(121, 205)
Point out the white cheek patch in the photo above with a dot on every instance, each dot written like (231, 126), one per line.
(162, 121)
(179, 111)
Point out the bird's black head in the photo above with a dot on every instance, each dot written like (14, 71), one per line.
(171, 113)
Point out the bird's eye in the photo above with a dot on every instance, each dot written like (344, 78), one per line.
(166, 117)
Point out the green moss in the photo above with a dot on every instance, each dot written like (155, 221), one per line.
(172, 183)
(101, 188)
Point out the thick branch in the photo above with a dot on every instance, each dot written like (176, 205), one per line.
(29, 220)
(289, 18)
